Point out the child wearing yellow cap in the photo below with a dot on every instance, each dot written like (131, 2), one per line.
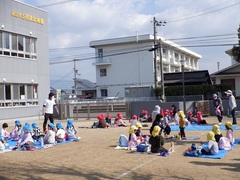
(181, 123)
(212, 146)
(217, 132)
(139, 128)
(132, 140)
(229, 133)
(156, 140)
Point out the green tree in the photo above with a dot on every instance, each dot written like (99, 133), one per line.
(236, 49)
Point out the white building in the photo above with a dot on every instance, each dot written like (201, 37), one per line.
(24, 65)
(125, 62)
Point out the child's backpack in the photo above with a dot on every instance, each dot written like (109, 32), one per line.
(224, 143)
(218, 112)
(142, 148)
(123, 141)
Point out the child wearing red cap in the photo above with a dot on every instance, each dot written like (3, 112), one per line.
(108, 119)
(102, 122)
(133, 121)
(119, 121)
(144, 116)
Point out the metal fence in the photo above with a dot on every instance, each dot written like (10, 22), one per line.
(91, 109)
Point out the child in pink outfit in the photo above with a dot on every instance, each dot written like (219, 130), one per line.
(26, 141)
(119, 122)
(16, 132)
(229, 133)
(132, 140)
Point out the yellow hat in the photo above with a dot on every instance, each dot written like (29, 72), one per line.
(229, 125)
(210, 136)
(138, 125)
(132, 128)
(156, 131)
(216, 129)
(181, 113)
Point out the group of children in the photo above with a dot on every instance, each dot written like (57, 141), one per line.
(215, 142)
(106, 122)
(27, 138)
(161, 124)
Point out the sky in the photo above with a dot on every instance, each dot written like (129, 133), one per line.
(73, 24)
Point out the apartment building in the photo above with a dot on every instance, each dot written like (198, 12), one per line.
(126, 62)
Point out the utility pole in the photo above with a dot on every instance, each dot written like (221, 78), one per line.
(75, 77)
(161, 66)
(158, 47)
(155, 52)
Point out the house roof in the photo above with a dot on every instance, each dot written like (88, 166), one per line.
(190, 78)
(229, 71)
(87, 83)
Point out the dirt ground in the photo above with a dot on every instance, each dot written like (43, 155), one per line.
(94, 157)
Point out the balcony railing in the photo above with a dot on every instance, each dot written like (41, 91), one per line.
(102, 61)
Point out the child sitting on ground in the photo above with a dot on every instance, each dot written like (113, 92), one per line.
(132, 140)
(49, 138)
(133, 121)
(156, 141)
(4, 133)
(16, 132)
(212, 146)
(102, 122)
(108, 119)
(229, 133)
(139, 127)
(71, 131)
(217, 132)
(60, 134)
(26, 141)
(143, 116)
(37, 134)
(191, 118)
(119, 121)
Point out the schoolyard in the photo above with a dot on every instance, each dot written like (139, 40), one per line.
(95, 157)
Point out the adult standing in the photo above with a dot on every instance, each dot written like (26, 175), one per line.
(155, 112)
(47, 110)
(217, 103)
(232, 105)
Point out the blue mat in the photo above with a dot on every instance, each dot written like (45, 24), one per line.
(11, 144)
(221, 153)
(195, 127)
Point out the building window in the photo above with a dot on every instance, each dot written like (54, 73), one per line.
(6, 40)
(100, 55)
(164, 51)
(20, 43)
(176, 56)
(103, 72)
(18, 95)
(20, 46)
(104, 93)
(1, 40)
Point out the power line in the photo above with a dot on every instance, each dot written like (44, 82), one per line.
(201, 14)
(56, 3)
